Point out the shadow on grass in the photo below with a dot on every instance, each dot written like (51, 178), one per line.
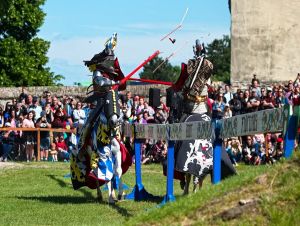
(123, 211)
(297, 161)
(75, 200)
(60, 199)
(60, 182)
(63, 184)
(88, 198)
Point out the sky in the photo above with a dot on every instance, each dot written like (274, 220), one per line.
(78, 29)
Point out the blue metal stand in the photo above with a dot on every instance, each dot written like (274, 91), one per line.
(138, 193)
(169, 197)
(290, 136)
(217, 152)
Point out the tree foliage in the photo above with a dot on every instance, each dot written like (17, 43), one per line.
(166, 72)
(22, 54)
(219, 53)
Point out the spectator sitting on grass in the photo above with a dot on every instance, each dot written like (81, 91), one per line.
(279, 148)
(249, 151)
(234, 150)
(270, 153)
(61, 147)
(157, 153)
(53, 152)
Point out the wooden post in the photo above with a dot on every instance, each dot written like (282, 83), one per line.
(266, 145)
(38, 144)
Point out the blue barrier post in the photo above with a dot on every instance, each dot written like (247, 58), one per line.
(217, 152)
(138, 193)
(169, 197)
(290, 135)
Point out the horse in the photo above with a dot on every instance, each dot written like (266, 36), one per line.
(189, 102)
(100, 157)
(194, 157)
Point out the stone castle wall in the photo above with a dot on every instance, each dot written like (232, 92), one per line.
(265, 40)
(8, 93)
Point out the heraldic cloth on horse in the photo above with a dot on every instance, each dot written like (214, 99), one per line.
(191, 90)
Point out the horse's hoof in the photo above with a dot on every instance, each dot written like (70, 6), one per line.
(99, 199)
(182, 184)
(120, 197)
(185, 193)
(112, 202)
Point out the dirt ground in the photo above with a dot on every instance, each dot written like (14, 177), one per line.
(9, 165)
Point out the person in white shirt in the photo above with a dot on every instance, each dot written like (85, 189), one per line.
(36, 108)
(228, 95)
(79, 116)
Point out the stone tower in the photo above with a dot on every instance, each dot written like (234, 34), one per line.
(265, 40)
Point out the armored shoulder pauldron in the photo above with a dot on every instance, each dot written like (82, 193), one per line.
(199, 71)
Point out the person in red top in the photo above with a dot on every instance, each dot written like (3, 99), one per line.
(60, 120)
(296, 96)
(61, 147)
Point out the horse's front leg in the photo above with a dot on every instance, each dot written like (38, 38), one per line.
(117, 166)
(99, 193)
(111, 193)
(120, 195)
(187, 183)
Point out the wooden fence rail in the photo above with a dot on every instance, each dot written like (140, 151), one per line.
(38, 131)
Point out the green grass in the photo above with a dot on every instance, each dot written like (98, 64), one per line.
(39, 194)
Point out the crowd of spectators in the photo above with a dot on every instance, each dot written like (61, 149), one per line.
(256, 149)
(49, 111)
(224, 102)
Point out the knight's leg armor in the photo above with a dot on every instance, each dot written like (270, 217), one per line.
(112, 111)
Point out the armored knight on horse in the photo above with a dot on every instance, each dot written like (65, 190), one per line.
(190, 92)
(100, 157)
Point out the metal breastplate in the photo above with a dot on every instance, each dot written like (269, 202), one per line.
(193, 87)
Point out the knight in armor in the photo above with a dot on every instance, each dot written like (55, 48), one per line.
(192, 85)
(199, 49)
(106, 73)
(194, 157)
(98, 147)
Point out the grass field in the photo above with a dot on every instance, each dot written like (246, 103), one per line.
(39, 194)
